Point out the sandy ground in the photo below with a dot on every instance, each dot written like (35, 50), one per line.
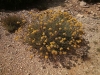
(15, 59)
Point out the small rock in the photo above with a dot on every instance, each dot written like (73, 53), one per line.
(79, 15)
(9, 45)
(67, 73)
(93, 13)
(66, 1)
(7, 33)
(86, 6)
(92, 66)
(98, 6)
(98, 9)
(70, 5)
(23, 11)
(82, 3)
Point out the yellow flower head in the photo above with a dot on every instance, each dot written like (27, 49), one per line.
(18, 22)
(44, 43)
(64, 53)
(68, 48)
(54, 52)
(51, 46)
(45, 23)
(48, 48)
(46, 53)
(56, 38)
(52, 43)
(50, 29)
(64, 34)
(65, 13)
(78, 41)
(41, 23)
(43, 33)
(60, 53)
(62, 20)
(33, 41)
(60, 28)
(59, 23)
(65, 28)
(42, 37)
(29, 48)
(46, 57)
(62, 41)
(74, 46)
(41, 48)
(50, 33)
(45, 40)
(61, 48)
(23, 21)
(55, 32)
(59, 37)
(44, 27)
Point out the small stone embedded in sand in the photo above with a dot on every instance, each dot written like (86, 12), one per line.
(83, 4)
(80, 16)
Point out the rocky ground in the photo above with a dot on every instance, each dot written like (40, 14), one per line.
(15, 59)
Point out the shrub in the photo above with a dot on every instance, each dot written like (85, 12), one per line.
(20, 4)
(12, 22)
(91, 1)
(54, 33)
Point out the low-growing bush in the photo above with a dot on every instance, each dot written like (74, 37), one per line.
(54, 33)
(12, 22)
(20, 4)
(91, 1)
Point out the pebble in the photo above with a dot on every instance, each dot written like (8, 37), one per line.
(83, 4)
(92, 66)
(9, 45)
(79, 15)
(66, 1)
(98, 6)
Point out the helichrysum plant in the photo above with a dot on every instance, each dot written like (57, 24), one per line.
(12, 22)
(54, 33)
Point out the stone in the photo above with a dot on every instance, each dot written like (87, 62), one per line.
(9, 45)
(98, 6)
(66, 1)
(82, 3)
(79, 15)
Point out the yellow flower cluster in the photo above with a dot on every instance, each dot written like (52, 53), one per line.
(54, 32)
(34, 31)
